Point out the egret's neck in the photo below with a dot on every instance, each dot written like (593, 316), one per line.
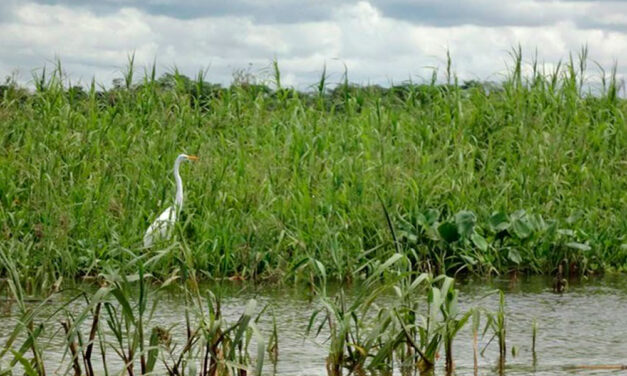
(178, 199)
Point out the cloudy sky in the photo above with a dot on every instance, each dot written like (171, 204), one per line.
(378, 41)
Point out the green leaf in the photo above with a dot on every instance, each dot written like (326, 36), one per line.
(153, 351)
(393, 259)
(28, 368)
(432, 233)
(469, 259)
(537, 222)
(448, 232)
(574, 217)
(421, 220)
(514, 256)
(260, 349)
(421, 278)
(566, 232)
(498, 222)
(447, 285)
(521, 228)
(242, 325)
(431, 216)
(411, 238)
(435, 299)
(579, 246)
(320, 269)
(126, 306)
(518, 214)
(479, 241)
(465, 221)
(300, 263)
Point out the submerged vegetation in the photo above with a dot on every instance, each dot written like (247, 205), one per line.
(519, 177)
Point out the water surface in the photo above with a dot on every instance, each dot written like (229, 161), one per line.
(587, 325)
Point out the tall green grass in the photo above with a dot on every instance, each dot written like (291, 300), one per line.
(287, 178)
(116, 323)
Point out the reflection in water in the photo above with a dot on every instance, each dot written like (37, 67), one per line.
(587, 325)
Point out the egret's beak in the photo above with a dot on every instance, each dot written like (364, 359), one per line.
(192, 157)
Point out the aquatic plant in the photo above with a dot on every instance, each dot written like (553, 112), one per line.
(353, 336)
(476, 322)
(118, 319)
(534, 334)
(496, 323)
(26, 327)
(367, 335)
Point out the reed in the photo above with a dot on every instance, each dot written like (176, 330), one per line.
(483, 178)
(373, 332)
(118, 319)
(496, 323)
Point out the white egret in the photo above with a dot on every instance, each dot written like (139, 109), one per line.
(162, 227)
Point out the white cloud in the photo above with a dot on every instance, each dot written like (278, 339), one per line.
(375, 47)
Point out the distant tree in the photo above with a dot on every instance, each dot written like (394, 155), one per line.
(471, 84)
(176, 81)
(118, 83)
(76, 93)
(10, 90)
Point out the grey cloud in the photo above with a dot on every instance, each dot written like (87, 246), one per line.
(273, 11)
(429, 12)
(584, 14)
(7, 8)
(426, 12)
(459, 12)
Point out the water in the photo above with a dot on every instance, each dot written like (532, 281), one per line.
(587, 325)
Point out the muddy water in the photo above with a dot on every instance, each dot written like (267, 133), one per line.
(587, 325)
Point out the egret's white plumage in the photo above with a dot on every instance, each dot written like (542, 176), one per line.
(162, 227)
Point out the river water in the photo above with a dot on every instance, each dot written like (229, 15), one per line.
(585, 326)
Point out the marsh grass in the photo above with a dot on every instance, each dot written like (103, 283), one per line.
(480, 178)
(368, 333)
(496, 323)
